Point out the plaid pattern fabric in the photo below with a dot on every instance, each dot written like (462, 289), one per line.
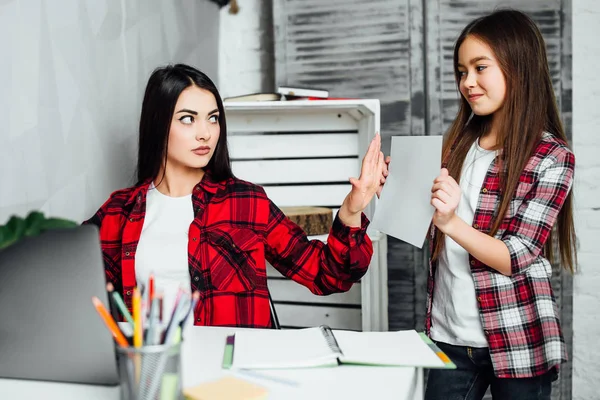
(519, 313)
(235, 229)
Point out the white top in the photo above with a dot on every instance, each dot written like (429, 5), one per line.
(455, 315)
(163, 245)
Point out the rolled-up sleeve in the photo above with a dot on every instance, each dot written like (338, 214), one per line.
(528, 231)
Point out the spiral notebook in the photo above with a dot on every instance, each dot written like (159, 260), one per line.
(324, 347)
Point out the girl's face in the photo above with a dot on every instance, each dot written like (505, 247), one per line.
(195, 129)
(482, 82)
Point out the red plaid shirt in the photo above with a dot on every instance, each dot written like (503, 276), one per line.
(235, 230)
(519, 313)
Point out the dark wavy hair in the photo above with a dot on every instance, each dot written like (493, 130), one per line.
(162, 91)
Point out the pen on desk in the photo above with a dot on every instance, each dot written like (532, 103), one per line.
(153, 331)
(171, 316)
(160, 308)
(137, 318)
(179, 313)
(145, 303)
(112, 305)
(119, 303)
(150, 291)
(195, 299)
(110, 322)
(177, 299)
(137, 332)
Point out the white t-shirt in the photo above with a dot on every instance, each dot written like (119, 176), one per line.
(163, 245)
(455, 315)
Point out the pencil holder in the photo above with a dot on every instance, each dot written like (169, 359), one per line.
(150, 372)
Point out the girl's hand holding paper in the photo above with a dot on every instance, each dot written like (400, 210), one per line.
(445, 195)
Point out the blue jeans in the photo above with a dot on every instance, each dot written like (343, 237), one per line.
(474, 374)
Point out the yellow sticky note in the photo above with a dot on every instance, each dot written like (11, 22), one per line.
(227, 388)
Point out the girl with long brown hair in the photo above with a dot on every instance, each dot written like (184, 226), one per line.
(501, 201)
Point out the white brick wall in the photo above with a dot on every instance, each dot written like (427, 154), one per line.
(586, 142)
(244, 49)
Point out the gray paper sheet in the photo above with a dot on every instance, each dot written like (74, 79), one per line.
(404, 210)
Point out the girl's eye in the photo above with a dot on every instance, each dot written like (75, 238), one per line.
(214, 119)
(187, 119)
(461, 73)
(480, 68)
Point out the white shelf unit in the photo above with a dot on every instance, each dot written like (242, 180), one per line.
(303, 152)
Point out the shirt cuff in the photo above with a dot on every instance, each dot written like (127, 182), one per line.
(519, 254)
(350, 236)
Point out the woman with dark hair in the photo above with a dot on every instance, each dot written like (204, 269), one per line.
(189, 221)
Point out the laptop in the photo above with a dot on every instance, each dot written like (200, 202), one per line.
(49, 328)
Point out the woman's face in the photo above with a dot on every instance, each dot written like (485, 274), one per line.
(482, 82)
(195, 129)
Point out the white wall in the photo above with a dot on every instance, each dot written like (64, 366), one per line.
(73, 74)
(246, 49)
(586, 140)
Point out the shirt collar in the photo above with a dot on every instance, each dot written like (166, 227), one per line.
(207, 184)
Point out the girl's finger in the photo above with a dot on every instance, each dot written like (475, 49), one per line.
(443, 196)
(445, 186)
(450, 180)
(438, 204)
(439, 179)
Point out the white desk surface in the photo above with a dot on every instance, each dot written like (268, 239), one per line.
(202, 355)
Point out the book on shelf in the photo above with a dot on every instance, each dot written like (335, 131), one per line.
(291, 91)
(295, 98)
(303, 94)
(254, 97)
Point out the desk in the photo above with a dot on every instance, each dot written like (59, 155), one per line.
(202, 355)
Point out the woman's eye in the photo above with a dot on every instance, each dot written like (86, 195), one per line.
(480, 68)
(187, 119)
(461, 73)
(214, 119)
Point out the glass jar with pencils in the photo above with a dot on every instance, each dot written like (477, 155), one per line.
(148, 348)
(150, 372)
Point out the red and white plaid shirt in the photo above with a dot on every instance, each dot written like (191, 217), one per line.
(235, 229)
(519, 313)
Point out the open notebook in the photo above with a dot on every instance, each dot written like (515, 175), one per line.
(322, 347)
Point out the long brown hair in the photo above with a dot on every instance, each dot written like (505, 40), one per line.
(528, 110)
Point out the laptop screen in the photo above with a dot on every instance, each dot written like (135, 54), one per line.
(49, 329)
